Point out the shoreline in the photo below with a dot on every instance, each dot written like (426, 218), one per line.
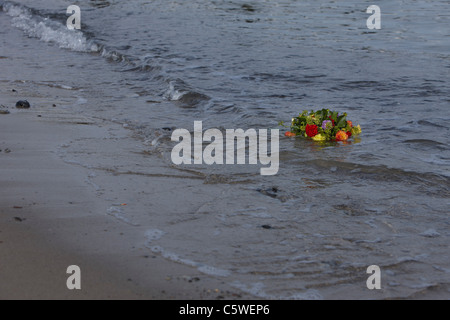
(49, 220)
(87, 176)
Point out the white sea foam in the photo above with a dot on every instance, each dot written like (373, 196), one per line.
(207, 269)
(258, 289)
(213, 271)
(47, 30)
(119, 214)
(153, 234)
(174, 94)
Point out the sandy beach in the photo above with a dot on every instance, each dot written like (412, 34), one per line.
(49, 220)
(88, 177)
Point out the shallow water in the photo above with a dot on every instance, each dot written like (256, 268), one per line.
(331, 211)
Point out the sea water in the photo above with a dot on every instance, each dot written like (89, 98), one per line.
(332, 210)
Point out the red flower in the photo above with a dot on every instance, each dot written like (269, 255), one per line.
(349, 133)
(290, 134)
(332, 121)
(311, 130)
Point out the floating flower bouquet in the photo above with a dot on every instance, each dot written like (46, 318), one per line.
(323, 125)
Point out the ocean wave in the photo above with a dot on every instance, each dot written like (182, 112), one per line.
(47, 29)
(50, 29)
(180, 91)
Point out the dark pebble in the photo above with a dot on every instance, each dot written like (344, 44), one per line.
(266, 226)
(23, 104)
(4, 112)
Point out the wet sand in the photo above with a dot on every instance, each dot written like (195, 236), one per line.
(195, 231)
(51, 218)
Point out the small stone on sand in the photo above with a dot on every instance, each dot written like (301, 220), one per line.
(23, 104)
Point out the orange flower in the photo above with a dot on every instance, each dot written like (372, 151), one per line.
(341, 136)
(290, 134)
(350, 123)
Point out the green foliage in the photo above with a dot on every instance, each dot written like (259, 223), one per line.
(328, 123)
